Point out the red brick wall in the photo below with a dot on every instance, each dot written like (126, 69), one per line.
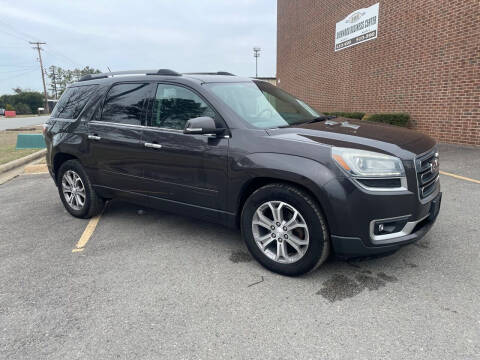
(425, 61)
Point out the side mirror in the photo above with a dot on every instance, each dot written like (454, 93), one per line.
(202, 125)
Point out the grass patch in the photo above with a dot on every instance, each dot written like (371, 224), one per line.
(8, 140)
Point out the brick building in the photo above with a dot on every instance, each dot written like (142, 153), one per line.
(424, 61)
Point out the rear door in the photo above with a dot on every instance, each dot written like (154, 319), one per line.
(115, 136)
(187, 168)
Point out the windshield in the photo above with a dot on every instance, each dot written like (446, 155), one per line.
(263, 105)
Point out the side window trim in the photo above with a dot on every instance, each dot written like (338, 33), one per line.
(114, 124)
(150, 84)
(154, 94)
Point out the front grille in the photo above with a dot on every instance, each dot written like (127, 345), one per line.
(427, 167)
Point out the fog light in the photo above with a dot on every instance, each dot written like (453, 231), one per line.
(383, 227)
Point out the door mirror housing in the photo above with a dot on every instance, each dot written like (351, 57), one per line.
(202, 125)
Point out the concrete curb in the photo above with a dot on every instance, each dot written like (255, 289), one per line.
(22, 161)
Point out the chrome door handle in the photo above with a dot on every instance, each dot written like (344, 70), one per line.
(153, 146)
(94, 137)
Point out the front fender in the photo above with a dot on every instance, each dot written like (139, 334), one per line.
(305, 172)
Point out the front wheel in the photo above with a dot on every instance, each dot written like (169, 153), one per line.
(285, 230)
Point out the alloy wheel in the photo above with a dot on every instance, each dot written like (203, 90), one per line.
(280, 231)
(73, 190)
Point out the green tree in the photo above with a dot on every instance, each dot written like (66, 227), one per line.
(27, 100)
(32, 99)
(54, 85)
(60, 78)
(22, 109)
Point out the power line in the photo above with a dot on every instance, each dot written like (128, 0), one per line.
(58, 53)
(12, 34)
(27, 37)
(15, 65)
(18, 75)
(18, 70)
(39, 49)
(12, 46)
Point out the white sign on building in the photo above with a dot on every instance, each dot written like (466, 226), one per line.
(359, 26)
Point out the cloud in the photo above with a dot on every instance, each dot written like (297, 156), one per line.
(108, 31)
(186, 35)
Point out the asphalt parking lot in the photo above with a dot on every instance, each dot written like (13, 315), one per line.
(11, 123)
(148, 284)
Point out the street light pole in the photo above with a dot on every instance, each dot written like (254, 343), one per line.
(256, 55)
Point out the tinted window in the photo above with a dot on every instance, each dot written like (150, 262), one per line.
(174, 105)
(124, 104)
(73, 101)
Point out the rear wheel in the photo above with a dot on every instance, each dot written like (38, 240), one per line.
(76, 192)
(285, 230)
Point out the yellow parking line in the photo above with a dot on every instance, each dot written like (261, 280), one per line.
(460, 177)
(88, 232)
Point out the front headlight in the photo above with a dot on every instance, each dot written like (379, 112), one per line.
(362, 163)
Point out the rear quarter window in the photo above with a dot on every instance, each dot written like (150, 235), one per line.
(73, 101)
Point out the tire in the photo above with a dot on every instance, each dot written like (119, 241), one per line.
(92, 204)
(308, 227)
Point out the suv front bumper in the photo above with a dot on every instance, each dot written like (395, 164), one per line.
(350, 247)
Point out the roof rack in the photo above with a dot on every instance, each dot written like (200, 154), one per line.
(211, 73)
(166, 72)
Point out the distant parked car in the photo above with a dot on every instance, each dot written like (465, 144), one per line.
(2, 111)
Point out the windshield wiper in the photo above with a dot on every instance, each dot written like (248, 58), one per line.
(320, 118)
(317, 119)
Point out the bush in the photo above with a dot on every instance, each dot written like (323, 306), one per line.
(9, 107)
(22, 109)
(399, 119)
(351, 115)
(32, 99)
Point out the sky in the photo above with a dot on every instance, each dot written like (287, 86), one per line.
(182, 35)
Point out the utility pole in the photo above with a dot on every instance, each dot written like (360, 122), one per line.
(256, 55)
(39, 49)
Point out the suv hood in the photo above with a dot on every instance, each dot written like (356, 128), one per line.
(360, 134)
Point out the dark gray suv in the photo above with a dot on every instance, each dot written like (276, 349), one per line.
(246, 154)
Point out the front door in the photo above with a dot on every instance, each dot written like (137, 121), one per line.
(186, 168)
(115, 137)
